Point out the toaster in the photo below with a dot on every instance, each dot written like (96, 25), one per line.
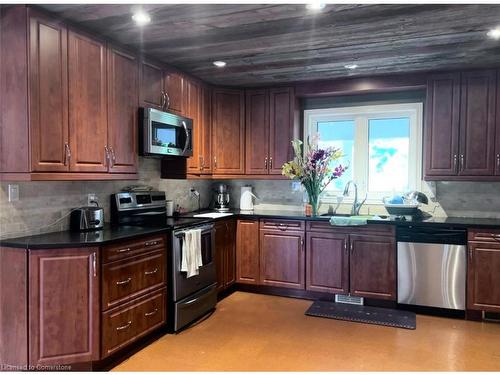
(86, 218)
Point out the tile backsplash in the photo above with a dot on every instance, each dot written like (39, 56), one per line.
(44, 206)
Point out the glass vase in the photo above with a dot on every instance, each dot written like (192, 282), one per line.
(314, 202)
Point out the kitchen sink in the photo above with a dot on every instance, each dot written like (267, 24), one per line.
(348, 220)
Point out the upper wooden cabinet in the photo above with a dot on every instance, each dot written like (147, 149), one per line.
(81, 119)
(228, 131)
(459, 139)
(122, 111)
(269, 129)
(88, 137)
(151, 85)
(175, 92)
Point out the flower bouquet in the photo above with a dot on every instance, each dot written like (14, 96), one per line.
(314, 169)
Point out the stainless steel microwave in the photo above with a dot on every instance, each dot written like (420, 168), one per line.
(164, 134)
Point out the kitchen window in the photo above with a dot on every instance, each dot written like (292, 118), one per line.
(382, 145)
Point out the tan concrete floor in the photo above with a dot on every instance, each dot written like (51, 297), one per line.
(251, 332)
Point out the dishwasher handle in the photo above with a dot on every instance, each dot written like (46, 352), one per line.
(432, 235)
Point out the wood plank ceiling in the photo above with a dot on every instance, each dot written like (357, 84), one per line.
(268, 44)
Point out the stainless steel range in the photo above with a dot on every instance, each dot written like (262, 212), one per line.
(188, 298)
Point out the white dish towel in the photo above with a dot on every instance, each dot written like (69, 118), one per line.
(191, 252)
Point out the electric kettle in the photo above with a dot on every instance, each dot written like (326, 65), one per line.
(246, 198)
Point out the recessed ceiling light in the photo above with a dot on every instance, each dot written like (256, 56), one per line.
(315, 5)
(220, 64)
(141, 18)
(494, 33)
(351, 66)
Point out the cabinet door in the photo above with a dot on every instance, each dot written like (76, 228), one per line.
(228, 129)
(206, 130)
(441, 128)
(373, 266)
(483, 277)
(193, 111)
(477, 123)
(48, 104)
(122, 111)
(63, 306)
(282, 259)
(174, 86)
(257, 132)
(281, 128)
(230, 259)
(220, 254)
(151, 85)
(247, 251)
(327, 262)
(497, 128)
(88, 126)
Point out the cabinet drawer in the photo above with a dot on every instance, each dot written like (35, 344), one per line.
(125, 324)
(282, 225)
(325, 226)
(488, 235)
(131, 277)
(126, 249)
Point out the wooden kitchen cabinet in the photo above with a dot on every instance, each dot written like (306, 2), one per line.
(269, 130)
(151, 85)
(123, 100)
(372, 266)
(228, 129)
(48, 104)
(497, 129)
(327, 262)
(247, 251)
(225, 254)
(175, 90)
(63, 306)
(459, 140)
(483, 265)
(282, 258)
(88, 125)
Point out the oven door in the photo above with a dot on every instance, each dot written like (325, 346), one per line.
(167, 134)
(182, 285)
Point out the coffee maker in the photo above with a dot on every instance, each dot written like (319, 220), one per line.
(221, 198)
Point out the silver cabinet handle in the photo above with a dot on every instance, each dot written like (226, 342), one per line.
(461, 162)
(498, 161)
(121, 328)
(201, 163)
(270, 163)
(67, 153)
(215, 162)
(163, 100)
(455, 163)
(302, 244)
(470, 253)
(124, 281)
(167, 100)
(151, 272)
(113, 157)
(151, 243)
(124, 250)
(151, 313)
(345, 246)
(352, 248)
(106, 153)
(265, 163)
(94, 263)
(282, 227)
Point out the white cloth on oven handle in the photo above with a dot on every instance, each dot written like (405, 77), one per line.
(191, 252)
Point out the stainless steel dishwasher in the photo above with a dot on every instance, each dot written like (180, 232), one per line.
(432, 266)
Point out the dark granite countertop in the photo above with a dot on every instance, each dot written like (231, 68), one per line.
(112, 234)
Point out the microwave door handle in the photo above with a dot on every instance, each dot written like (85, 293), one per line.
(188, 138)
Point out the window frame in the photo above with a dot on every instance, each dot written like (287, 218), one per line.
(361, 116)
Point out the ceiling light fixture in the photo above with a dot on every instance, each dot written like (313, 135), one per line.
(351, 66)
(494, 33)
(219, 64)
(315, 6)
(141, 18)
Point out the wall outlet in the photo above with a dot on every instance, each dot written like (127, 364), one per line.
(92, 199)
(13, 193)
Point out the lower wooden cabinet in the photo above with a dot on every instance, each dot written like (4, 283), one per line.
(282, 258)
(373, 266)
(63, 306)
(247, 251)
(483, 272)
(225, 253)
(327, 262)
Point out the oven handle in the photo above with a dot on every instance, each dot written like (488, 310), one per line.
(188, 138)
(204, 229)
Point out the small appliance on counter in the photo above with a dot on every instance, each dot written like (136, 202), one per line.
(86, 218)
(221, 201)
(406, 207)
(246, 198)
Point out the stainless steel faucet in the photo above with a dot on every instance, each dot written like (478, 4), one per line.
(355, 204)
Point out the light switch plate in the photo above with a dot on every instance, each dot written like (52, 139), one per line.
(13, 193)
(91, 198)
